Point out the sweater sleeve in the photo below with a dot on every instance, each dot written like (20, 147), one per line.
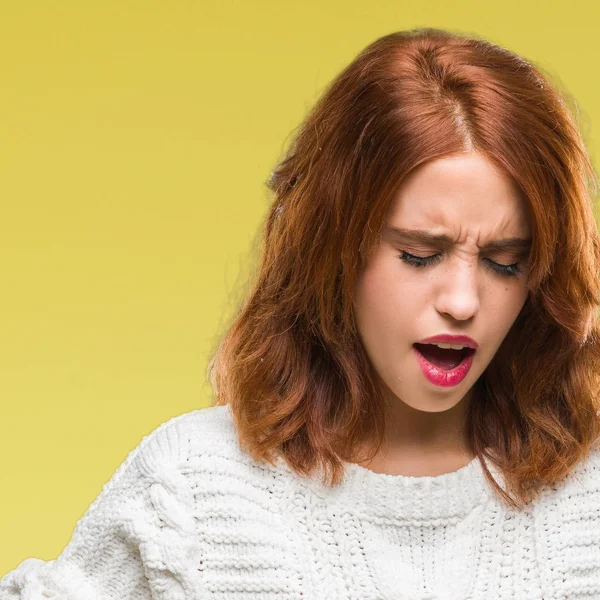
(134, 542)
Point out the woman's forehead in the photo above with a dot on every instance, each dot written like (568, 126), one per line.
(457, 176)
(454, 193)
(454, 219)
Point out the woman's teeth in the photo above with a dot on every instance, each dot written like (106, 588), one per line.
(447, 346)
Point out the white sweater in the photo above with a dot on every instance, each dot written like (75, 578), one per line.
(188, 515)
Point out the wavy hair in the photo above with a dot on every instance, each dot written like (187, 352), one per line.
(292, 364)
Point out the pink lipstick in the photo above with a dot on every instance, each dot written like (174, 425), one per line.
(446, 373)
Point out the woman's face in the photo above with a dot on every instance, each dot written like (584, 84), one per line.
(462, 291)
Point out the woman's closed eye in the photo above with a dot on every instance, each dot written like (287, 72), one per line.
(424, 261)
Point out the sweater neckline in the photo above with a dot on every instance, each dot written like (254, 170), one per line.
(452, 495)
(449, 496)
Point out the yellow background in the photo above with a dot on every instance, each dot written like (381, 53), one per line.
(135, 141)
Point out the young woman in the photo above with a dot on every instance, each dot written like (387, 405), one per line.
(407, 401)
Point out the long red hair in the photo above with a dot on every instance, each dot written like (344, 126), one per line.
(292, 365)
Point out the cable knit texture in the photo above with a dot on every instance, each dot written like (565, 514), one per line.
(188, 515)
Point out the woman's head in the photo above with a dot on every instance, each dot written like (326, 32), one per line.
(424, 130)
(415, 288)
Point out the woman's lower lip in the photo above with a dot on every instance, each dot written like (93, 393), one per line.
(439, 376)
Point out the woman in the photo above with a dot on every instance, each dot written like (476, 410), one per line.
(407, 401)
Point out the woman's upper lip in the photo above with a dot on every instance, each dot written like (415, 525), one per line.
(446, 338)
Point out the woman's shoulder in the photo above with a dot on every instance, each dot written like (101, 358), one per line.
(567, 521)
(200, 432)
(211, 422)
(580, 485)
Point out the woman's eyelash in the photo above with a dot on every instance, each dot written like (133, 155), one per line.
(420, 261)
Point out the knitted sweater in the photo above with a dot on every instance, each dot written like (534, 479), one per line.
(188, 515)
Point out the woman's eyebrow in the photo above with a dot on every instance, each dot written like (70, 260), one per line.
(421, 235)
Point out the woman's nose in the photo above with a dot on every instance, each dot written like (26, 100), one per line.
(458, 290)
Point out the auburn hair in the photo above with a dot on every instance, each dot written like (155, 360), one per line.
(292, 365)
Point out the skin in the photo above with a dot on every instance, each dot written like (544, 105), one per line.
(397, 304)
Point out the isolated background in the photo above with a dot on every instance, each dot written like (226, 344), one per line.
(135, 140)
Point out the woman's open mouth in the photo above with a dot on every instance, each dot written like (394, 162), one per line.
(443, 367)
